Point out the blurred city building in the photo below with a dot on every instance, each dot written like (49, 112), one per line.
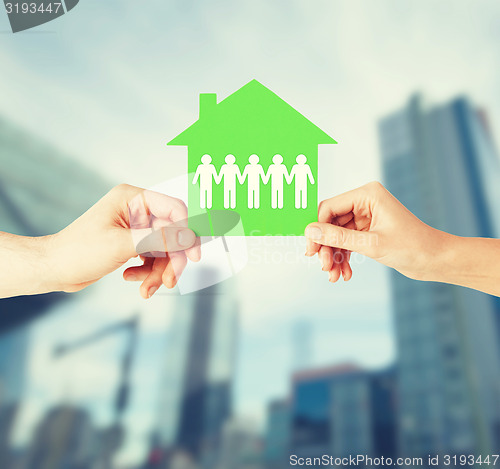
(440, 162)
(343, 410)
(302, 344)
(277, 436)
(13, 343)
(195, 395)
(41, 191)
(241, 447)
(65, 438)
(111, 437)
(13, 358)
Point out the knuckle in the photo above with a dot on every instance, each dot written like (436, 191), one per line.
(322, 208)
(337, 236)
(342, 237)
(179, 203)
(120, 188)
(375, 186)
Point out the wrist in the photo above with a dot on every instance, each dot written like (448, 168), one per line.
(47, 273)
(446, 258)
(27, 265)
(53, 259)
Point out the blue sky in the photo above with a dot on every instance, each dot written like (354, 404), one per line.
(111, 82)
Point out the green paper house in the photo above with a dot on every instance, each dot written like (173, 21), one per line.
(281, 198)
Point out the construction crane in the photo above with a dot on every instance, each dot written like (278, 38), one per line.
(112, 437)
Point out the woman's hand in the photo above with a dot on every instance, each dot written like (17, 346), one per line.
(371, 221)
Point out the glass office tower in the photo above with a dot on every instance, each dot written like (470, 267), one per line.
(302, 344)
(277, 435)
(440, 163)
(195, 394)
(342, 411)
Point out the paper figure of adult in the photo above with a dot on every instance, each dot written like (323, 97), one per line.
(253, 172)
(277, 172)
(301, 172)
(206, 173)
(254, 120)
(228, 173)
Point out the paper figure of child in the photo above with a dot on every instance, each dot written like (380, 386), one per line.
(301, 172)
(254, 172)
(206, 173)
(229, 172)
(277, 172)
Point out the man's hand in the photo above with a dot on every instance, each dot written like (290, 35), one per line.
(370, 221)
(108, 234)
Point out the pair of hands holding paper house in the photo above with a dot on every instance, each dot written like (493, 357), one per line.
(367, 220)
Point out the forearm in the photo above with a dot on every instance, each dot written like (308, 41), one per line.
(25, 265)
(473, 263)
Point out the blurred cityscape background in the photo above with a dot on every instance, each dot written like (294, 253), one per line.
(274, 361)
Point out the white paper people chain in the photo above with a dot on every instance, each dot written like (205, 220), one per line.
(253, 173)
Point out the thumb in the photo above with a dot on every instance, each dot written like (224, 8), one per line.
(335, 236)
(165, 239)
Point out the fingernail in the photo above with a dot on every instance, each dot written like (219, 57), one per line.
(185, 237)
(152, 291)
(322, 260)
(131, 278)
(313, 232)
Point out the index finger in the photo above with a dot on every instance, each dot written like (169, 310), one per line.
(165, 207)
(342, 204)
